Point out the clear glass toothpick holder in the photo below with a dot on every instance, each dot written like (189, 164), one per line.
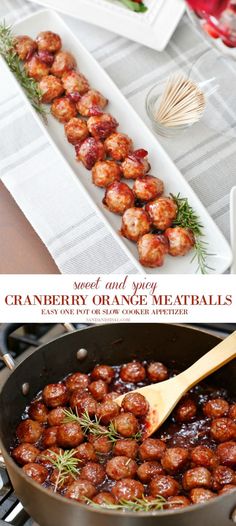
(218, 113)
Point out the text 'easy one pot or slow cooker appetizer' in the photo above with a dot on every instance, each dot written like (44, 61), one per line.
(159, 224)
(75, 440)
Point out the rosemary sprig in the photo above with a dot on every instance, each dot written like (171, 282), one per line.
(66, 464)
(142, 504)
(138, 7)
(187, 218)
(30, 86)
(94, 427)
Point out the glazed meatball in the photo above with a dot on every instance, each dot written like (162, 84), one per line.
(216, 408)
(25, 453)
(36, 68)
(91, 102)
(197, 478)
(36, 472)
(152, 449)
(29, 431)
(82, 402)
(227, 489)
(89, 152)
(46, 57)
(77, 381)
(121, 467)
(80, 490)
(118, 197)
(48, 41)
(232, 412)
(63, 109)
(148, 470)
(175, 459)
(107, 410)
(162, 211)
(125, 448)
(186, 410)
(148, 188)
(126, 424)
(127, 489)
(46, 456)
(135, 403)
(103, 498)
(49, 437)
(69, 435)
(75, 84)
(199, 495)
(181, 240)
(63, 62)
(203, 456)
(60, 482)
(226, 453)
(98, 389)
(135, 165)
(221, 476)
(105, 172)
(56, 416)
(76, 130)
(103, 372)
(179, 501)
(164, 485)
(55, 394)
(38, 411)
(223, 429)
(111, 396)
(93, 472)
(51, 88)
(101, 126)
(25, 47)
(157, 372)
(133, 372)
(102, 445)
(135, 223)
(152, 249)
(85, 453)
(118, 146)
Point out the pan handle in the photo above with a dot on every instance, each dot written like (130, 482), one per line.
(71, 327)
(6, 330)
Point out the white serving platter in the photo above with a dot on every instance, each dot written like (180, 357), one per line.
(153, 28)
(133, 125)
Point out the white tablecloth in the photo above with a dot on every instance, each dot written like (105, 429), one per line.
(76, 237)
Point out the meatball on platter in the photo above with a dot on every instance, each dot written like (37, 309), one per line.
(111, 155)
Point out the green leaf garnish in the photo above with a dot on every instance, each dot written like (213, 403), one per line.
(94, 427)
(66, 464)
(30, 86)
(187, 218)
(137, 505)
(138, 7)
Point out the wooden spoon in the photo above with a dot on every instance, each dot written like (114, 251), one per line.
(164, 396)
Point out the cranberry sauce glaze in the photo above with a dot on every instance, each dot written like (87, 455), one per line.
(95, 452)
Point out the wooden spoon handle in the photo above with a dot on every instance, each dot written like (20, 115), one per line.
(210, 362)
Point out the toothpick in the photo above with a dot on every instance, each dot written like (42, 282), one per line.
(182, 102)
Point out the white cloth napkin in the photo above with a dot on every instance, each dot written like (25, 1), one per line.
(31, 170)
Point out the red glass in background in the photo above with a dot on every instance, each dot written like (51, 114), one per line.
(217, 18)
(212, 7)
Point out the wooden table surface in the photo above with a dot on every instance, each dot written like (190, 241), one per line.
(22, 251)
